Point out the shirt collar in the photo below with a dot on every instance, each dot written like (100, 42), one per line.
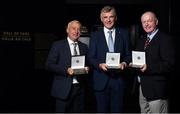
(106, 30)
(152, 34)
(70, 41)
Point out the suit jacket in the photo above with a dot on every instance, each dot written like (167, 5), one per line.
(58, 61)
(97, 54)
(160, 63)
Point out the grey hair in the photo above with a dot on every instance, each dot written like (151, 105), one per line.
(108, 9)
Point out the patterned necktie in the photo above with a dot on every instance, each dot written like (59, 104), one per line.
(146, 43)
(110, 42)
(75, 51)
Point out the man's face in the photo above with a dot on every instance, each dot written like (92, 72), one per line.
(149, 22)
(73, 31)
(108, 19)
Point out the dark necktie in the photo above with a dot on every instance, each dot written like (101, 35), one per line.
(75, 51)
(146, 43)
(110, 42)
(74, 54)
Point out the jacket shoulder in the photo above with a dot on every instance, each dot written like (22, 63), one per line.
(59, 43)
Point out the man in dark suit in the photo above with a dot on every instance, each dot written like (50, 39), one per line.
(108, 84)
(67, 87)
(153, 76)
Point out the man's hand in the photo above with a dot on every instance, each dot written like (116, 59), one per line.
(70, 71)
(122, 65)
(103, 66)
(86, 69)
(143, 68)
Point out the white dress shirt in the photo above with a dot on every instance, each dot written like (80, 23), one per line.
(71, 45)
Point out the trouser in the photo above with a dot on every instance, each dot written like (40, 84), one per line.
(153, 106)
(74, 103)
(111, 98)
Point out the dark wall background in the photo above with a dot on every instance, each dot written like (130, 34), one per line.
(25, 84)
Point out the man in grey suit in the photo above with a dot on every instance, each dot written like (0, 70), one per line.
(67, 88)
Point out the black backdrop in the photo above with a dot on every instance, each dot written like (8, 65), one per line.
(25, 84)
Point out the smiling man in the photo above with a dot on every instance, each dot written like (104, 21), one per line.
(109, 84)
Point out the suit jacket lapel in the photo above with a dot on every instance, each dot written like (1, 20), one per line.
(68, 52)
(102, 41)
(154, 39)
(80, 48)
(118, 41)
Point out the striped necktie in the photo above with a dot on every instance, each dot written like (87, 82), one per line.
(146, 43)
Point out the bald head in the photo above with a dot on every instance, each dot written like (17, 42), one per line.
(149, 21)
(149, 14)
